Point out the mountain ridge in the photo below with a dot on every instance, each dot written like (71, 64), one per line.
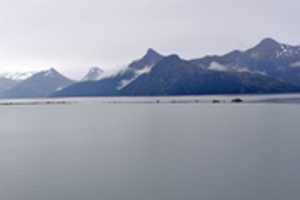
(41, 84)
(268, 67)
(171, 75)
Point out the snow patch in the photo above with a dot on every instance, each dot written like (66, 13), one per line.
(17, 76)
(137, 73)
(215, 66)
(59, 88)
(286, 50)
(260, 73)
(295, 64)
(243, 69)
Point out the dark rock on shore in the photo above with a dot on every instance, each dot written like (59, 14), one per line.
(237, 100)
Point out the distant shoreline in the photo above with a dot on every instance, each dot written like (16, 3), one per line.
(34, 103)
(208, 99)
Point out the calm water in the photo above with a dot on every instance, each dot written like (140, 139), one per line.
(90, 150)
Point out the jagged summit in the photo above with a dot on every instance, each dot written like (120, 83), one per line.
(149, 59)
(269, 49)
(51, 71)
(93, 74)
(95, 69)
(152, 55)
(267, 45)
(151, 51)
(269, 42)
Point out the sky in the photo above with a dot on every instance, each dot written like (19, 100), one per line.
(73, 35)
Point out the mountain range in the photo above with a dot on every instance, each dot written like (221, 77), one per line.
(40, 84)
(268, 67)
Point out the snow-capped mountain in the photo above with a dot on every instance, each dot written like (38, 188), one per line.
(268, 67)
(269, 57)
(175, 76)
(170, 75)
(94, 74)
(271, 49)
(140, 67)
(41, 84)
(9, 80)
(112, 85)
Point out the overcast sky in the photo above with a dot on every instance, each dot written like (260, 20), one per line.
(72, 35)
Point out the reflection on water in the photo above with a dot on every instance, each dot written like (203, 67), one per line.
(90, 150)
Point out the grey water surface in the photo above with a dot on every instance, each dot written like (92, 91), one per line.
(93, 150)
